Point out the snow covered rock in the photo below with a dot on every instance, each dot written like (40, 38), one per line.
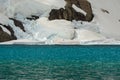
(67, 14)
(4, 36)
(30, 20)
(71, 13)
(18, 23)
(9, 30)
(33, 17)
(84, 5)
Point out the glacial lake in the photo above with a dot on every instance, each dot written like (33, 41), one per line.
(22, 62)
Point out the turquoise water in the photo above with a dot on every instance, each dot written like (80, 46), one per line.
(19, 62)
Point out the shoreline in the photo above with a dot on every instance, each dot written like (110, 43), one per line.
(59, 42)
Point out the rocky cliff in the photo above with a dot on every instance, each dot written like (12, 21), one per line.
(69, 13)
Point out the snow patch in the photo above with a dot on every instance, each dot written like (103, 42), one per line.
(6, 30)
(87, 35)
(79, 10)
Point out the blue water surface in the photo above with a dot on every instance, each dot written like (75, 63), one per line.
(22, 62)
(85, 53)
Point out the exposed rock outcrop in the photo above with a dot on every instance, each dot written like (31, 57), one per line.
(18, 24)
(11, 31)
(33, 17)
(4, 36)
(105, 11)
(69, 13)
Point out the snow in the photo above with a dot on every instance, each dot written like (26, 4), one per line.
(87, 35)
(23, 42)
(5, 30)
(104, 29)
(61, 28)
(54, 3)
(25, 8)
(29, 7)
(3, 19)
(109, 23)
(78, 9)
(93, 26)
(43, 29)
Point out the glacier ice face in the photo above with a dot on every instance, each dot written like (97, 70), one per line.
(45, 29)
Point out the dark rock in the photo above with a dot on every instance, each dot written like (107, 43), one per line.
(105, 11)
(53, 14)
(82, 4)
(4, 36)
(11, 31)
(70, 14)
(18, 24)
(9, 28)
(33, 17)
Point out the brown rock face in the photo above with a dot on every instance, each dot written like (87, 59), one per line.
(70, 14)
(11, 31)
(4, 36)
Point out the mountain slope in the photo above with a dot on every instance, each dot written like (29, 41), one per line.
(109, 22)
(103, 29)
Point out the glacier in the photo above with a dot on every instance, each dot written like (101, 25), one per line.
(104, 29)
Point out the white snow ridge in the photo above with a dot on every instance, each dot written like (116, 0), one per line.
(104, 29)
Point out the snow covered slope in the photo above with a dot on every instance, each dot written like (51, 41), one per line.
(109, 21)
(104, 27)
